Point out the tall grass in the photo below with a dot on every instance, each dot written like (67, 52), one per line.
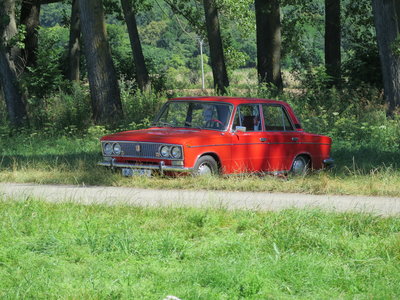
(72, 251)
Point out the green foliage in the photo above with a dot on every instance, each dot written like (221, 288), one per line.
(302, 33)
(18, 39)
(139, 108)
(54, 14)
(118, 39)
(152, 33)
(63, 111)
(361, 58)
(46, 77)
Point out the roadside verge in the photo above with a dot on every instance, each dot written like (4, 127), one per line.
(200, 199)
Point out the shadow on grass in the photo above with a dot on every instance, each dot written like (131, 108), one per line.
(365, 159)
(77, 168)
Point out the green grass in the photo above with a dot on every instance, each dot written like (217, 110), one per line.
(98, 252)
(72, 160)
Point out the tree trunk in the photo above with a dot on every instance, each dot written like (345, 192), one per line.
(387, 22)
(74, 48)
(269, 42)
(221, 81)
(8, 77)
(30, 13)
(142, 75)
(332, 40)
(104, 89)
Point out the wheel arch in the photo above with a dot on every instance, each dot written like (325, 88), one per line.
(305, 155)
(213, 155)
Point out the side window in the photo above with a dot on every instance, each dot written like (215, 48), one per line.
(276, 119)
(248, 115)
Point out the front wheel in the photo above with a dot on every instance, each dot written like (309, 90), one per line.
(205, 165)
(300, 166)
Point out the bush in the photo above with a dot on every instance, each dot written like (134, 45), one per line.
(63, 112)
(46, 77)
(139, 108)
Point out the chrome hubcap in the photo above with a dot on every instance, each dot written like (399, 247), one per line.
(204, 169)
(299, 166)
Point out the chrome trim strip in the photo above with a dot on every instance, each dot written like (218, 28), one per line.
(211, 145)
(264, 143)
(161, 167)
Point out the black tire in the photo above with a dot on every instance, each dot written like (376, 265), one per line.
(205, 165)
(300, 166)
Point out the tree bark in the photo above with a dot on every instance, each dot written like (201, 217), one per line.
(74, 48)
(269, 42)
(387, 24)
(332, 41)
(16, 110)
(221, 81)
(30, 13)
(104, 89)
(142, 75)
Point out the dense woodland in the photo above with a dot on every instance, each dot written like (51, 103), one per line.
(131, 52)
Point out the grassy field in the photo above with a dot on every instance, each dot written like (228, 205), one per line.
(95, 252)
(72, 160)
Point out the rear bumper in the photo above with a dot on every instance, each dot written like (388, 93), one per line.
(161, 167)
(329, 163)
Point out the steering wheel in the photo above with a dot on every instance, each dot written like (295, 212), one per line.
(214, 123)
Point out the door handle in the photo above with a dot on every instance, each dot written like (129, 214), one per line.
(263, 139)
(295, 139)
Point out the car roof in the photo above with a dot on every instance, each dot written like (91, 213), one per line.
(233, 100)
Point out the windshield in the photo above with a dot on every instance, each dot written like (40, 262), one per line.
(195, 114)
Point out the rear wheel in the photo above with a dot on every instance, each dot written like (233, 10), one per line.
(205, 165)
(300, 166)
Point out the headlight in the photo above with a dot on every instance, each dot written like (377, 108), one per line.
(176, 152)
(108, 149)
(117, 149)
(164, 151)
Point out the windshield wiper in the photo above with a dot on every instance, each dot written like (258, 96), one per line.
(189, 125)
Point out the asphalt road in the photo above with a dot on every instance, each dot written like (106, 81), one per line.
(201, 199)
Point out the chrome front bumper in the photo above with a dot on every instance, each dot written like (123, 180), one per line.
(329, 163)
(161, 167)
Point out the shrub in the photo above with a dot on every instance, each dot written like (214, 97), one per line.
(46, 77)
(63, 111)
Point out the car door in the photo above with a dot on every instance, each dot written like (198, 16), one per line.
(282, 138)
(248, 140)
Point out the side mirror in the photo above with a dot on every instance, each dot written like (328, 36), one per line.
(240, 128)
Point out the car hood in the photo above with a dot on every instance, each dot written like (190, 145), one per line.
(182, 136)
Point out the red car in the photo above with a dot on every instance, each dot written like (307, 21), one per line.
(219, 135)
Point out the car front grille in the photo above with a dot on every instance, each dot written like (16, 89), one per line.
(144, 150)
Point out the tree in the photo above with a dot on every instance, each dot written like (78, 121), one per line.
(8, 76)
(30, 12)
(387, 24)
(74, 47)
(332, 40)
(269, 40)
(142, 76)
(221, 81)
(104, 89)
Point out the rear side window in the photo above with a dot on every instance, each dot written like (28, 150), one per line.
(276, 118)
(248, 116)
